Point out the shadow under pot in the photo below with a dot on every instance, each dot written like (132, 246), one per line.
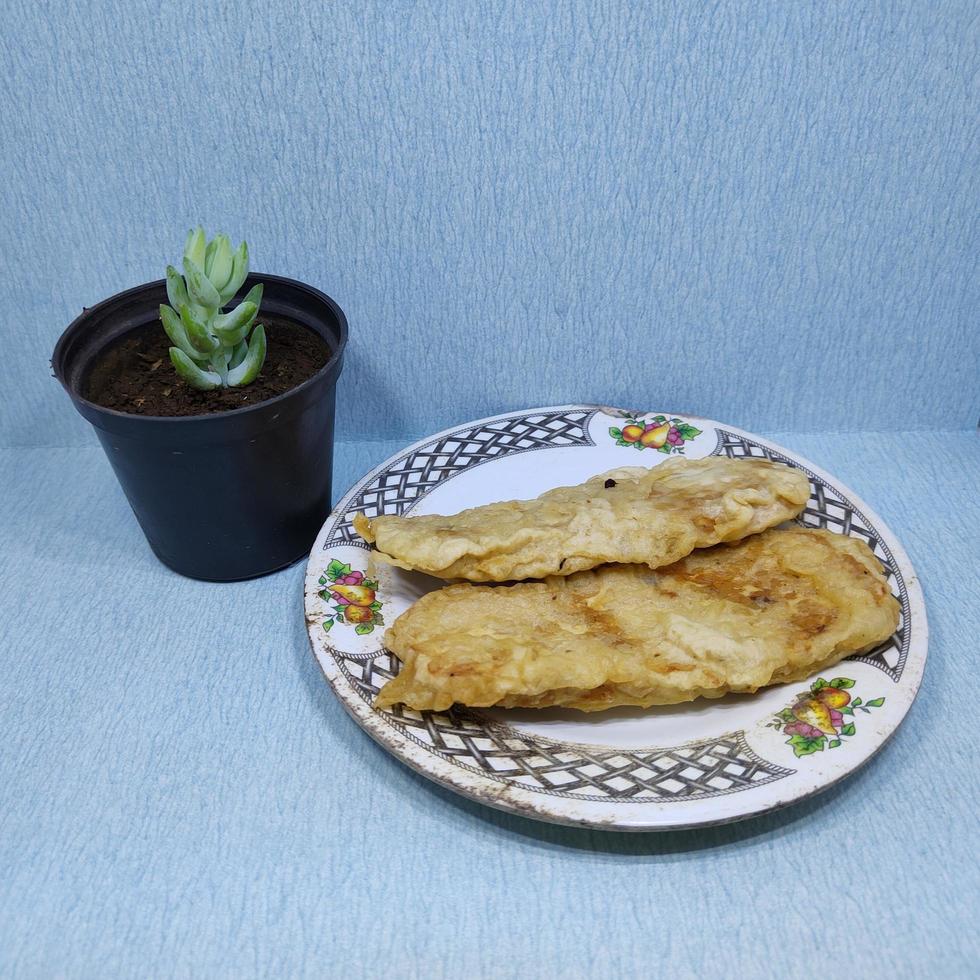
(238, 489)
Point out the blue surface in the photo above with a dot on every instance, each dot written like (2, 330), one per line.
(181, 794)
(763, 212)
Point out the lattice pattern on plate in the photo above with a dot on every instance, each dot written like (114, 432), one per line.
(710, 768)
(409, 479)
(830, 510)
(465, 738)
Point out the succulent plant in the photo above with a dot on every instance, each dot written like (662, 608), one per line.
(213, 349)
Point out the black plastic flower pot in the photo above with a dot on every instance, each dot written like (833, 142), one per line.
(229, 495)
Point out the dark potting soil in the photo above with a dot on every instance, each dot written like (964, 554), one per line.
(134, 374)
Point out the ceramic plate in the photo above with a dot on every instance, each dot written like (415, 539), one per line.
(627, 769)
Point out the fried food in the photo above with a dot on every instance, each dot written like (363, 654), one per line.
(773, 608)
(648, 516)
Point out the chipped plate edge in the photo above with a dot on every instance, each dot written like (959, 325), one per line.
(648, 815)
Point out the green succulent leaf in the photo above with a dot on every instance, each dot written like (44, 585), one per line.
(232, 328)
(248, 370)
(199, 286)
(222, 262)
(176, 290)
(238, 274)
(196, 246)
(238, 355)
(178, 336)
(197, 332)
(219, 362)
(254, 295)
(209, 256)
(214, 343)
(191, 373)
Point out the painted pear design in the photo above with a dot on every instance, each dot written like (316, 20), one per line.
(813, 711)
(357, 595)
(655, 435)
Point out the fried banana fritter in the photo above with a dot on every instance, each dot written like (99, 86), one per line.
(648, 516)
(771, 609)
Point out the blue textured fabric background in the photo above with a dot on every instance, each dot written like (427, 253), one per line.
(763, 212)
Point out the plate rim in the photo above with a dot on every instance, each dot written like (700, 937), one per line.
(513, 799)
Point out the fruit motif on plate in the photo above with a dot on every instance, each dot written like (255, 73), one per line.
(822, 717)
(353, 599)
(659, 432)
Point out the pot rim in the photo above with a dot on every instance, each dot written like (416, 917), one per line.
(58, 358)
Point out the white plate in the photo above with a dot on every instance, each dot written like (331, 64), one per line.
(689, 765)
